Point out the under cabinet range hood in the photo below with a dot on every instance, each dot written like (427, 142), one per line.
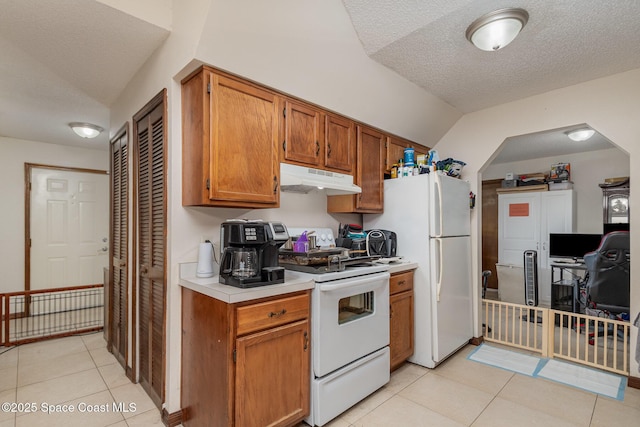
(301, 179)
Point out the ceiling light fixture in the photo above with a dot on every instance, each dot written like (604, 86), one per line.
(86, 130)
(497, 29)
(580, 134)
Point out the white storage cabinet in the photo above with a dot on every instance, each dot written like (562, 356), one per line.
(525, 220)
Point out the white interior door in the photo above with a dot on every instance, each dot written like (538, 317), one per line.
(69, 228)
(519, 226)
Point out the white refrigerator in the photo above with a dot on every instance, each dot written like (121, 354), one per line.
(430, 215)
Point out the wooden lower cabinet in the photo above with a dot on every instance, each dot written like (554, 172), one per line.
(401, 328)
(245, 364)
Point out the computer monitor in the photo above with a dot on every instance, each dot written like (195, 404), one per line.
(572, 245)
(621, 226)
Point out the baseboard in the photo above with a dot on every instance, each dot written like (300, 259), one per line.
(173, 419)
(476, 340)
(633, 382)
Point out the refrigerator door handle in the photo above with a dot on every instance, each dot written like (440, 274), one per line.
(438, 190)
(439, 272)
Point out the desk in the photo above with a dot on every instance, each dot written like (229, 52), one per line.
(565, 277)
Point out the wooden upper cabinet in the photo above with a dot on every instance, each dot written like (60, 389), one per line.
(395, 150)
(317, 138)
(340, 143)
(370, 167)
(302, 134)
(369, 176)
(230, 142)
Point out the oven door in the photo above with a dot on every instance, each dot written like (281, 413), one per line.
(350, 320)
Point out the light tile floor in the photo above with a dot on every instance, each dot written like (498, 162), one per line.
(79, 371)
(460, 392)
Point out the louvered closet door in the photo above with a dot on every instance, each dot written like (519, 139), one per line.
(150, 133)
(118, 297)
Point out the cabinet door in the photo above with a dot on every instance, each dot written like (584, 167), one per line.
(395, 151)
(272, 376)
(400, 327)
(243, 161)
(340, 143)
(302, 134)
(370, 166)
(556, 216)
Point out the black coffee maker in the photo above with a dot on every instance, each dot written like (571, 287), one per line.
(250, 253)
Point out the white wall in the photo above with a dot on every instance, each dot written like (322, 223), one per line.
(310, 49)
(611, 105)
(587, 171)
(14, 153)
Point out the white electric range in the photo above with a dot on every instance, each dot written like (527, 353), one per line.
(349, 334)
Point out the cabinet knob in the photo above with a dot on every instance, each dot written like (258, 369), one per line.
(328, 150)
(317, 148)
(275, 184)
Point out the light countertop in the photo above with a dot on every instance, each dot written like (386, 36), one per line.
(294, 281)
(210, 286)
(401, 267)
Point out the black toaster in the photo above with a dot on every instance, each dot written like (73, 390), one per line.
(382, 243)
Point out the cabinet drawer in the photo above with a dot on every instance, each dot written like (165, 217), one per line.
(400, 282)
(273, 313)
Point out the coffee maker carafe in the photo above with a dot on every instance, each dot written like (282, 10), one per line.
(250, 253)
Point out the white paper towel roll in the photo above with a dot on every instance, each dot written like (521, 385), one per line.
(205, 260)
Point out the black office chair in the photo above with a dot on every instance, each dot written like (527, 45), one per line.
(608, 269)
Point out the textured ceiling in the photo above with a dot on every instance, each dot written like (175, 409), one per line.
(64, 61)
(565, 42)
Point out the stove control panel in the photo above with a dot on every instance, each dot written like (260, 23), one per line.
(324, 236)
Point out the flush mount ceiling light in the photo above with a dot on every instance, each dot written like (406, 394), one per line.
(580, 134)
(497, 29)
(86, 130)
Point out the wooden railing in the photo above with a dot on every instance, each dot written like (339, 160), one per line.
(590, 340)
(29, 316)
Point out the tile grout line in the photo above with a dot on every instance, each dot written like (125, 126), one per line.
(513, 374)
(593, 410)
